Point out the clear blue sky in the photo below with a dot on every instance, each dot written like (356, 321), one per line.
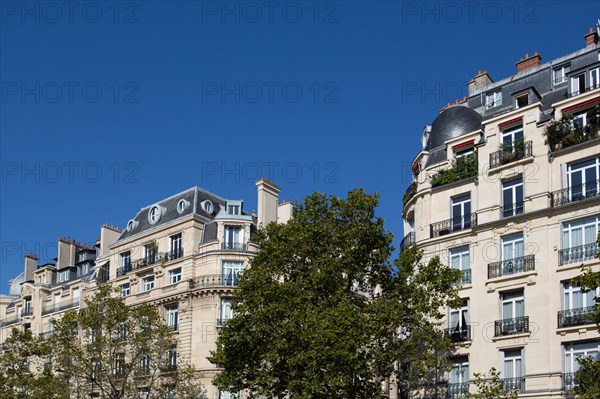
(108, 107)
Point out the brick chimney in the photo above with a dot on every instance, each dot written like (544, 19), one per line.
(528, 62)
(480, 80)
(591, 38)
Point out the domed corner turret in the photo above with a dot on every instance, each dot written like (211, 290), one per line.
(453, 122)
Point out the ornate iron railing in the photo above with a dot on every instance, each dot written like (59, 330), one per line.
(62, 305)
(176, 254)
(215, 280)
(407, 241)
(514, 384)
(578, 253)
(235, 246)
(569, 381)
(7, 321)
(576, 317)
(457, 390)
(514, 209)
(511, 326)
(451, 225)
(504, 156)
(575, 193)
(511, 266)
(578, 92)
(459, 333)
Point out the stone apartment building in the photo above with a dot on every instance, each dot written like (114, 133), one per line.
(182, 254)
(518, 213)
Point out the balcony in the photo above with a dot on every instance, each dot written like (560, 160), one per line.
(569, 381)
(215, 280)
(409, 193)
(521, 150)
(453, 225)
(459, 333)
(514, 384)
(511, 210)
(62, 305)
(585, 90)
(407, 241)
(121, 271)
(27, 312)
(234, 246)
(175, 254)
(457, 390)
(9, 320)
(578, 254)
(462, 168)
(576, 193)
(576, 317)
(147, 261)
(517, 325)
(511, 266)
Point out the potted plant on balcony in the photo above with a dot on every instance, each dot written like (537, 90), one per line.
(557, 131)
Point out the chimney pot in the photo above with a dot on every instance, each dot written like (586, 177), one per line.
(528, 62)
(591, 38)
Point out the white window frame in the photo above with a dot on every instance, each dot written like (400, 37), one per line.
(172, 316)
(126, 259)
(575, 84)
(572, 351)
(462, 316)
(175, 276)
(493, 99)
(459, 374)
(562, 77)
(516, 364)
(580, 224)
(147, 283)
(594, 78)
(125, 290)
(516, 297)
(571, 290)
(514, 134)
(512, 186)
(226, 313)
(231, 271)
(176, 245)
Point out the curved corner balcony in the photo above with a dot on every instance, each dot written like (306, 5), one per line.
(407, 241)
(453, 225)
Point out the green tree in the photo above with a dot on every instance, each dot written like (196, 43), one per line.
(109, 350)
(24, 371)
(322, 313)
(490, 386)
(588, 375)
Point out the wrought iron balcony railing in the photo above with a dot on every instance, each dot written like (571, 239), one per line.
(457, 390)
(215, 280)
(585, 90)
(576, 193)
(579, 253)
(511, 326)
(234, 246)
(459, 333)
(514, 384)
(121, 271)
(176, 254)
(569, 381)
(62, 305)
(576, 317)
(451, 225)
(515, 153)
(7, 321)
(514, 209)
(511, 266)
(407, 241)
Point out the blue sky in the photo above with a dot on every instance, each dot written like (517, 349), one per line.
(106, 107)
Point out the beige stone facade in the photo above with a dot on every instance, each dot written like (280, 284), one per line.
(520, 227)
(183, 254)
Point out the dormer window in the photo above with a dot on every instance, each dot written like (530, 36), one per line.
(594, 78)
(234, 207)
(522, 100)
(425, 136)
(560, 74)
(493, 99)
(578, 84)
(154, 214)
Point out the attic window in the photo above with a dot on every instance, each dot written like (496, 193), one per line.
(154, 214)
(522, 100)
(208, 207)
(182, 205)
(493, 99)
(131, 225)
(233, 209)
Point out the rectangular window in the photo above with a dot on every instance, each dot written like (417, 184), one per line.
(171, 358)
(149, 254)
(594, 78)
(574, 298)
(493, 99)
(460, 260)
(578, 84)
(27, 309)
(175, 276)
(513, 247)
(512, 197)
(579, 240)
(560, 74)
(229, 395)
(512, 370)
(583, 179)
(144, 365)
(64, 276)
(172, 316)
(459, 318)
(234, 207)
(126, 261)
(461, 212)
(119, 368)
(147, 283)
(459, 374)
(513, 312)
(576, 350)
(226, 311)
(176, 248)
(125, 290)
(512, 139)
(522, 100)
(234, 237)
(231, 272)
